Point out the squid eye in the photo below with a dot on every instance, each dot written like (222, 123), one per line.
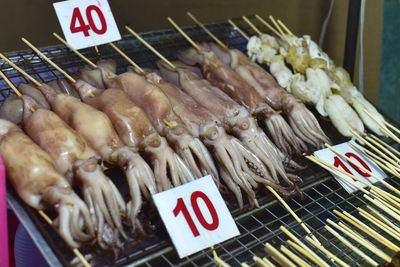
(244, 126)
(214, 135)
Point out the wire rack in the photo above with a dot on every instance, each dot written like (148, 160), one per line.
(257, 226)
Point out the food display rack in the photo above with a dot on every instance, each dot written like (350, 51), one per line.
(257, 226)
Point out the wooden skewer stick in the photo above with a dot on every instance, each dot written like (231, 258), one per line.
(283, 202)
(379, 224)
(48, 60)
(243, 264)
(75, 250)
(379, 161)
(383, 149)
(20, 70)
(252, 25)
(364, 169)
(392, 127)
(383, 127)
(284, 27)
(279, 257)
(384, 219)
(10, 84)
(366, 229)
(238, 29)
(375, 149)
(149, 46)
(218, 260)
(351, 246)
(280, 30)
(359, 239)
(207, 31)
(385, 207)
(263, 21)
(304, 252)
(260, 262)
(299, 261)
(328, 253)
(268, 262)
(126, 57)
(184, 34)
(315, 257)
(385, 144)
(74, 50)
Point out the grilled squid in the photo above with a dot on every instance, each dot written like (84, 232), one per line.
(302, 121)
(225, 78)
(135, 129)
(166, 122)
(37, 181)
(12, 109)
(97, 130)
(236, 118)
(79, 163)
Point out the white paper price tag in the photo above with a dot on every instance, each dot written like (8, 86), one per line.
(87, 23)
(330, 157)
(195, 216)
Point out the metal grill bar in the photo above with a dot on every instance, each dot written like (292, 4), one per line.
(257, 226)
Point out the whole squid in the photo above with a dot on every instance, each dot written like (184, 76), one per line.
(79, 163)
(136, 130)
(96, 128)
(233, 115)
(225, 78)
(163, 118)
(37, 181)
(302, 121)
(193, 113)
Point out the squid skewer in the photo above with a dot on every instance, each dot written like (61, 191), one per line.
(189, 148)
(37, 181)
(79, 163)
(226, 79)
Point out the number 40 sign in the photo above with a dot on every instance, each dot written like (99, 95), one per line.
(87, 23)
(195, 216)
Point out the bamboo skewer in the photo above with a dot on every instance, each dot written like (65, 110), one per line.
(207, 31)
(351, 219)
(74, 50)
(299, 261)
(385, 207)
(260, 262)
(385, 144)
(392, 127)
(20, 70)
(243, 264)
(280, 30)
(379, 224)
(10, 84)
(184, 34)
(277, 256)
(364, 169)
(238, 29)
(304, 252)
(351, 246)
(126, 57)
(360, 240)
(284, 27)
(252, 25)
(48, 60)
(328, 253)
(314, 257)
(268, 25)
(384, 219)
(383, 148)
(281, 200)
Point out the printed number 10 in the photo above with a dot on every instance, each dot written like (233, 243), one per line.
(338, 163)
(181, 207)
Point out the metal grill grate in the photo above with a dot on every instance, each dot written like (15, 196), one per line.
(257, 226)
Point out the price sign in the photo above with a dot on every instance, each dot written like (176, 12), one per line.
(195, 216)
(330, 157)
(87, 23)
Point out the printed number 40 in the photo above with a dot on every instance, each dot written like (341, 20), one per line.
(82, 27)
(181, 207)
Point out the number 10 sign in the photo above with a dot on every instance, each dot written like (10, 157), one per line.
(87, 23)
(195, 216)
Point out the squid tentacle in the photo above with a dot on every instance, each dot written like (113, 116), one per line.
(193, 152)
